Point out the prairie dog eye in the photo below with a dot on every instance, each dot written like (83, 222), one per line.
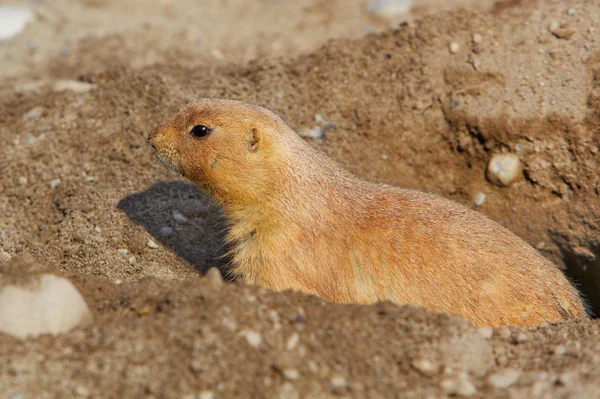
(200, 131)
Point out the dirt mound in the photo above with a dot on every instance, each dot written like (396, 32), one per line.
(423, 106)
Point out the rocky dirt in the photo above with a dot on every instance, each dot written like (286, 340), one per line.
(423, 104)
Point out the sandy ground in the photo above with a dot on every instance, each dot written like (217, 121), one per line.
(81, 194)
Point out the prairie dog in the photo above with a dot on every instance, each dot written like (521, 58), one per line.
(297, 220)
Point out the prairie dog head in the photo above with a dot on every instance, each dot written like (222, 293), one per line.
(229, 148)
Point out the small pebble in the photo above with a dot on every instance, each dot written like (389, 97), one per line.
(522, 337)
(214, 277)
(454, 47)
(504, 378)
(389, 8)
(90, 179)
(123, 251)
(313, 133)
(485, 332)
(131, 260)
(118, 281)
(479, 198)
(291, 374)
(477, 38)
(22, 180)
(206, 395)
(54, 183)
(426, 367)
(151, 244)
(541, 245)
(280, 94)
(318, 118)
(74, 86)
(504, 169)
(571, 11)
(560, 350)
(338, 383)
(179, 218)
(165, 231)
(98, 229)
(459, 386)
(292, 341)
(253, 338)
(33, 112)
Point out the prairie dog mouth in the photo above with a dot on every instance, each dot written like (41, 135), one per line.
(168, 162)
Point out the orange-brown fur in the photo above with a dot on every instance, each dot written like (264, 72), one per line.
(299, 221)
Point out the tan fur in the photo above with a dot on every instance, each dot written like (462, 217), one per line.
(299, 221)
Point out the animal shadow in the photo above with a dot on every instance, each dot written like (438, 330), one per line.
(183, 219)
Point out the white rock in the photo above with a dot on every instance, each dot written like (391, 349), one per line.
(479, 198)
(485, 332)
(13, 20)
(253, 338)
(123, 251)
(291, 374)
(55, 183)
(426, 367)
(313, 133)
(206, 395)
(338, 383)
(504, 378)
(458, 386)
(389, 8)
(179, 218)
(51, 305)
(292, 341)
(74, 86)
(454, 47)
(504, 169)
(131, 260)
(166, 231)
(151, 244)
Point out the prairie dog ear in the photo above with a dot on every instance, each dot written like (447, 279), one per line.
(253, 140)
